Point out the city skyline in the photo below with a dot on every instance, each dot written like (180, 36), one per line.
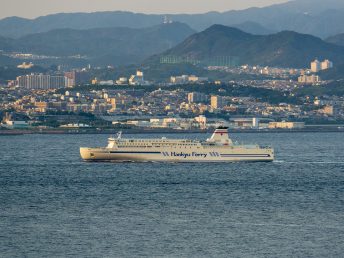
(29, 8)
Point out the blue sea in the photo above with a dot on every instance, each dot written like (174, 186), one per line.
(52, 204)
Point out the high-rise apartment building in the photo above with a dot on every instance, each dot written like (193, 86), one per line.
(41, 81)
(196, 97)
(78, 77)
(326, 64)
(217, 102)
(315, 66)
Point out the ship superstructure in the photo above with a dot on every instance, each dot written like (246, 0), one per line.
(218, 148)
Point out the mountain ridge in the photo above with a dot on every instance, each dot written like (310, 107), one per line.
(316, 17)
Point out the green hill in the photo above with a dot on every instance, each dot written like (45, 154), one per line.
(337, 39)
(283, 49)
(335, 88)
(102, 46)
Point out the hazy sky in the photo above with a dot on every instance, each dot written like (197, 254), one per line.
(34, 8)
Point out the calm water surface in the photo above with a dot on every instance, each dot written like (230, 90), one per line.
(54, 205)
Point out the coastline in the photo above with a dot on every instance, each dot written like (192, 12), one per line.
(310, 129)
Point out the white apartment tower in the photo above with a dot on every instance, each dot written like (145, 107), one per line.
(41, 81)
(315, 66)
(326, 64)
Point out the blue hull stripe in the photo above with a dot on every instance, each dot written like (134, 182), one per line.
(245, 155)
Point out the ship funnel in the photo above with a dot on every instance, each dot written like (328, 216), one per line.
(221, 136)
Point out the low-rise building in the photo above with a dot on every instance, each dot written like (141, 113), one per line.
(185, 79)
(202, 121)
(309, 79)
(137, 79)
(77, 125)
(122, 81)
(286, 125)
(106, 83)
(246, 122)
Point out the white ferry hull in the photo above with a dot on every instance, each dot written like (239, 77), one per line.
(229, 154)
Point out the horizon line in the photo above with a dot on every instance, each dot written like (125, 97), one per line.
(141, 12)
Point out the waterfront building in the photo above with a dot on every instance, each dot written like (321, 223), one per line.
(10, 124)
(255, 122)
(286, 125)
(76, 125)
(246, 122)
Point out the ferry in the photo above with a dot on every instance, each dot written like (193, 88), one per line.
(218, 148)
